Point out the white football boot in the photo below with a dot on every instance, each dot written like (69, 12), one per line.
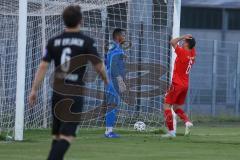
(170, 134)
(188, 125)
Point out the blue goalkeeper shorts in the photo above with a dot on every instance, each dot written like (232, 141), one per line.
(112, 93)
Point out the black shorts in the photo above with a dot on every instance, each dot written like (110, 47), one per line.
(62, 127)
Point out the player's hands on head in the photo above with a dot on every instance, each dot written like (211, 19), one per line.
(32, 98)
(187, 36)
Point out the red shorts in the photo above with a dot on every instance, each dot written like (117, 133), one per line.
(176, 95)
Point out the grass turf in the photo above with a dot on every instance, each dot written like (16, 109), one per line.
(215, 142)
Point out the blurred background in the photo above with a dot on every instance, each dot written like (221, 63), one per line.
(214, 89)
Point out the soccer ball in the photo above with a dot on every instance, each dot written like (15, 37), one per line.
(140, 126)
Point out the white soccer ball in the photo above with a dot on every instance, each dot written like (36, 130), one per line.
(140, 126)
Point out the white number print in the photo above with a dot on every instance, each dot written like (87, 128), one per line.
(66, 57)
(189, 66)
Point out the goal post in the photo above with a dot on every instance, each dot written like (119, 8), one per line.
(24, 32)
(175, 29)
(21, 69)
(175, 33)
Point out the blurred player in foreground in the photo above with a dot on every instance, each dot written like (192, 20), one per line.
(114, 62)
(177, 93)
(61, 50)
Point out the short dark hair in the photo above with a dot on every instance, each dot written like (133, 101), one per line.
(72, 16)
(191, 42)
(117, 32)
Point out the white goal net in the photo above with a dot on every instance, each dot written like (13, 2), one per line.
(149, 28)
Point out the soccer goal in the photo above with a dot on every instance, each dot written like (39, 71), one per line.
(25, 27)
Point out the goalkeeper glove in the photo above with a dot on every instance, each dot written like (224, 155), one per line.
(122, 86)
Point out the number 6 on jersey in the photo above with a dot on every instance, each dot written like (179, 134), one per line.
(65, 59)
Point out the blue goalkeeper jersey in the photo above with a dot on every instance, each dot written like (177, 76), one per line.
(114, 61)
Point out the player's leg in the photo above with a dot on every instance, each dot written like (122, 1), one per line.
(66, 136)
(178, 109)
(112, 101)
(55, 124)
(55, 138)
(54, 142)
(55, 132)
(169, 121)
(168, 116)
(63, 145)
(111, 117)
(170, 99)
(65, 131)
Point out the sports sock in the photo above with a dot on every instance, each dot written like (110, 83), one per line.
(172, 132)
(182, 115)
(59, 149)
(110, 119)
(168, 119)
(54, 141)
(108, 130)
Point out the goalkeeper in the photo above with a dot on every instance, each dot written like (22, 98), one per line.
(116, 72)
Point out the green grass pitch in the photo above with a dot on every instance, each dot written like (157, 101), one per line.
(212, 142)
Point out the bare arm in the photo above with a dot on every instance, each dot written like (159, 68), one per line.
(100, 68)
(174, 42)
(40, 75)
(38, 80)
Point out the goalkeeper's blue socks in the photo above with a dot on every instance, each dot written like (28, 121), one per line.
(110, 123)
(111, 118)
(59, 148)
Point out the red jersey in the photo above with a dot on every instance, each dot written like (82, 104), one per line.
(183, 64)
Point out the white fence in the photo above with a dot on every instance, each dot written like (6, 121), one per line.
(215, 78)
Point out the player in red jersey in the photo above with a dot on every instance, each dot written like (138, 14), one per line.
(177, 92)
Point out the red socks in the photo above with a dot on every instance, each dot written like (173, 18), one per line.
(168, 119)
(182, 115)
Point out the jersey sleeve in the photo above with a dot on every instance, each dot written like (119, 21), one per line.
(47, 55)
(91, 49)
(179, 50)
